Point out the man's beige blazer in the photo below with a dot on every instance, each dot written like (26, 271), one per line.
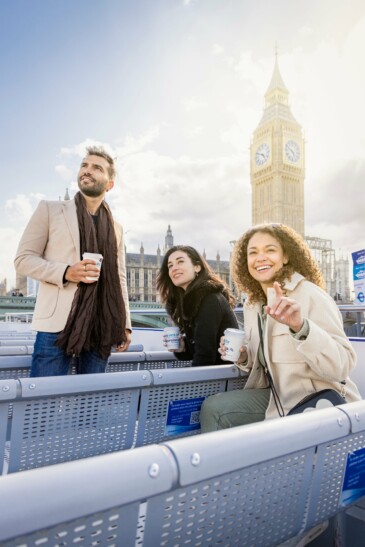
(49, 244)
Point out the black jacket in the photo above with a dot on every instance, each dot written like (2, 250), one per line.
(210, 315)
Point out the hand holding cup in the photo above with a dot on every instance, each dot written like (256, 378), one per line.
(232, 346)
(93, 265)
(173, 340)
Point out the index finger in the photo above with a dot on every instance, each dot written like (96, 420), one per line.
(277, 289)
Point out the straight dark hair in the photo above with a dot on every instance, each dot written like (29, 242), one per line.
(172, 296)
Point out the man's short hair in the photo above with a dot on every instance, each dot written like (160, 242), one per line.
(99, 151)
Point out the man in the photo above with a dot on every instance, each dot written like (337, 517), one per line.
(80, 310)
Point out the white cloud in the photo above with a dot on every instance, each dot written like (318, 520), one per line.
(9, 243)
(79, 149)
(194, 132)
(190, 105)
(17, 212)
(256, 73)
(20, 209)
(65, 172)
(217, 49)
(203, 200)
(306, 31)
(132, 145)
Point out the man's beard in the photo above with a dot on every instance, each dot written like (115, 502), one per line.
(92, 191)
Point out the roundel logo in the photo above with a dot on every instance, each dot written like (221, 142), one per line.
(361, 297)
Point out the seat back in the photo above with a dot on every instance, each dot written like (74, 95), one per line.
(8, 392)
(91, 502)
(15, 366)
(248, 485)
(171, 406)
(65, 418)
(120, 362)
(8, 342)
(16, 350)
(338, 458)
(163, 359)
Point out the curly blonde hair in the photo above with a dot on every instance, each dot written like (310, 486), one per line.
(296, 249)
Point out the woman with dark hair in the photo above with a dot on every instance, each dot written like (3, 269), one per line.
(199, 303)
(302, 343)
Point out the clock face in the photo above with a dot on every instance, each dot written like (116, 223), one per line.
(292, 151)
(262, 154)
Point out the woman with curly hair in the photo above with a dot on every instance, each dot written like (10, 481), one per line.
(199, 303)
(303, 344)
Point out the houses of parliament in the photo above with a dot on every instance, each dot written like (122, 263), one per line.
(277, 173)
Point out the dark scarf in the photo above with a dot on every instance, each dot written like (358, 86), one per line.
(185, 306)
(193, 298)
(97, 317)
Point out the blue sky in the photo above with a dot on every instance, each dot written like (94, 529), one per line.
(175, 89)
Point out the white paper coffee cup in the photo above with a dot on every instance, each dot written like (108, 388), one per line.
(172, 337)
(98, 259)
(234, 339)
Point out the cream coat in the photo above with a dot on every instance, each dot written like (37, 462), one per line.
(49, 244)
(299, 368)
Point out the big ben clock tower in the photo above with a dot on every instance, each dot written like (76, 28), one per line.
(277, 161)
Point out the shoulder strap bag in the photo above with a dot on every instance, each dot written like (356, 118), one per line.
(321, 399)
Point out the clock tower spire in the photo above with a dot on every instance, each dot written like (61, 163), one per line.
(277, 160)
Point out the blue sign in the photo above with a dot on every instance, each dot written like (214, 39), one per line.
(353, 486)
(358, 259)
(183, 416)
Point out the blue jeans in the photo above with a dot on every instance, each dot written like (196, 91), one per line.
(50, 360)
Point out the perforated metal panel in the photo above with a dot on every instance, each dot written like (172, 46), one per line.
(257, 506)
(178, 364)
(152, 365)
(328, 476)
(116, 527)
(14, 373)
(154, 406)
(122, 367)
(236, 383)
(56, 429)
(15, 366)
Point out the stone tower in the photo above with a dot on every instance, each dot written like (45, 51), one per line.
(169, 239)
(277, 161)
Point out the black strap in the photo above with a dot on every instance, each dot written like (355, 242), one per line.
(275, 395)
